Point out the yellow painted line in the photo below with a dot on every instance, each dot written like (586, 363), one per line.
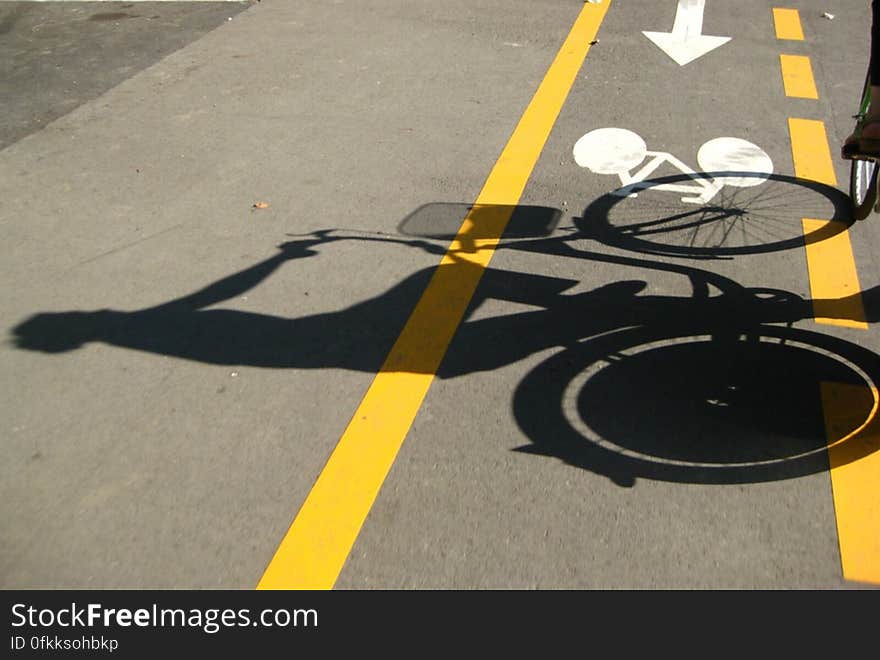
(809, 149)
(788, 24)
(834, 282)
(318, 542)
(851, 421)
(853, 433)
(797, 77)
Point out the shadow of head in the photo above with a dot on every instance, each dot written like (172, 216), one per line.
(59, 332)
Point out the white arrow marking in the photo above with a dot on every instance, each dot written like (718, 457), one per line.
(686, 42)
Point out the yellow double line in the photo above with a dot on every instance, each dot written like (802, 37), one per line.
(315, 548)
(854, 456)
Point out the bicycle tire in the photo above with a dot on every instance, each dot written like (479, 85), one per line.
(863, 187)
(863, 173)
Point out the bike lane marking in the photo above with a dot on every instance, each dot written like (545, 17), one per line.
(854, 457)
(686, 42)
(830, 264)
(834, 280)
(788, 24)
(319, 540)
(852, 429)
(797, 76)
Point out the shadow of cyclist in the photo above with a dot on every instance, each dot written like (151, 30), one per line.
(584, 325)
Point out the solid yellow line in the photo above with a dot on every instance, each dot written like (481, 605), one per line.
(853, 434)
(788, 24)
(315, 548)
(797, 76)
(834, 281)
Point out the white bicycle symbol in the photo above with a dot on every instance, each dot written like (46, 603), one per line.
(618, 151)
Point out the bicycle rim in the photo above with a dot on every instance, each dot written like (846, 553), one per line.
(863, 187)
(863, 173)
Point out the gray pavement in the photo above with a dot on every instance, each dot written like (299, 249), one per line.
(219, 216)
(55, 56)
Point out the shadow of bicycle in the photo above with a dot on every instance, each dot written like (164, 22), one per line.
(713, 387)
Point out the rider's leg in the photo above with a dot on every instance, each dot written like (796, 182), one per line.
(873, 130)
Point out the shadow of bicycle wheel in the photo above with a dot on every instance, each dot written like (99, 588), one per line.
(761, 213)
(677, 407)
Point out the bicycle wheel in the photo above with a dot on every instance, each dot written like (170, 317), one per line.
(863, 173)
(863, 187)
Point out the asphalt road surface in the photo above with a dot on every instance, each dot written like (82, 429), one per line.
(435, 295)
